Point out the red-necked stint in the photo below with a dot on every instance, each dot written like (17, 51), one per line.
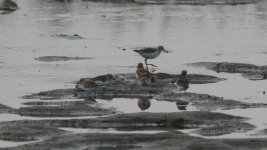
(182, 81)
(150, 53)
(163, 78)
(87, 84)
(104, 79)
(142, 74)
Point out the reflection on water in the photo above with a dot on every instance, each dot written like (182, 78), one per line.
(181, 105)
(144, 104)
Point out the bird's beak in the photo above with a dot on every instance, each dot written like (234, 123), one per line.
(165, 51)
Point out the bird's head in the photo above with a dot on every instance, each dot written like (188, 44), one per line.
(140, 65)
(110, 77)
(184, 73)
(161, 48)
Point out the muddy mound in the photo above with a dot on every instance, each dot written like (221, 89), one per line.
(249, 71)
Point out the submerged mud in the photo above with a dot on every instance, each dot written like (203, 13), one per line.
(59, 58)
(249, 71)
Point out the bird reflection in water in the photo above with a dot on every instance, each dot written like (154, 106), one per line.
(181, 105)
(144, 103)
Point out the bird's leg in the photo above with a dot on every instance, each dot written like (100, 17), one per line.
(152, 65)
(146, 64)
(149, 64)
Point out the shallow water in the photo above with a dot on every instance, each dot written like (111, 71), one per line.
(132, 105)
(190, 33)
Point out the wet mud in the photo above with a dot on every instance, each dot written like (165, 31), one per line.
(64, 111)
(205, 123)
(168, 140)
(250, 71)
(59, 58)
(205, 102)
(22, 132)
(125, 86)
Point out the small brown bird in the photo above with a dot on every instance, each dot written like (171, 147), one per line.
(103, 79)
(182, 81)
(143, 74)
(163, 78)
(86, 84)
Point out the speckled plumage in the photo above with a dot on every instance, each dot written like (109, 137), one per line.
(182, 81)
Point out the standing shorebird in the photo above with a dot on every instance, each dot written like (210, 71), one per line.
(150, 53)
(142, 74)
(182, 81)
(163, 78)
(104, 79)
(86, 84)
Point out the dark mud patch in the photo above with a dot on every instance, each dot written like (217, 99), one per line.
(249, 71)
(23, 132)
(206, 121)
(60, 58)
(168, 122)
(68, 36)
(64, 109)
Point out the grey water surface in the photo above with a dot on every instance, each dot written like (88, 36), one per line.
(192, 33)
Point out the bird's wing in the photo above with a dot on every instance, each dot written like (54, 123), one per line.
(147, 50)
(102, 78)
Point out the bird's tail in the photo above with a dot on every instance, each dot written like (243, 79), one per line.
(137, 51)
